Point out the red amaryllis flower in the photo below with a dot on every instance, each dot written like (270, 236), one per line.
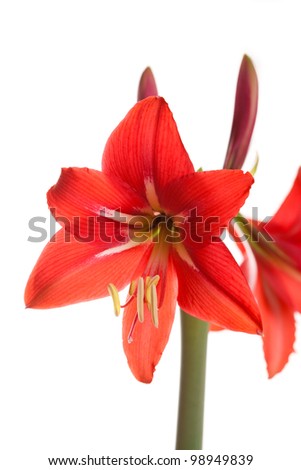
(150, 221)
(276, 245)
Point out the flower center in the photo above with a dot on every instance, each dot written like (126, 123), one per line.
(158, 219)
(159, 230)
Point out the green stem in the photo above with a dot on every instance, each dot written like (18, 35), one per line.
(192, 383)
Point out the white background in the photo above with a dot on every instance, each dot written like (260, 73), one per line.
(69, 73)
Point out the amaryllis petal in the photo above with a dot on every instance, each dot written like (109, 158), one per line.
(148, 342)
(287, 219)
(82, 191)
(215, 327)
(278, 326)
(145, 150)
(276, 284)
(285, 284)
(291, 249)
(147, 85)
(210, 199)
(213, 288)
(81, 271)
(94, 206)
(244, 115)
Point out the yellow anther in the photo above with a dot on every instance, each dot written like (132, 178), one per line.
(154, 280)
(147, 291)
(140, 299)
(115, 296)
(154, 305)
(148, 283)
(147, 296)
(132, 288)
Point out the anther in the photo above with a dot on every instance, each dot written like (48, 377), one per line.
(154, 280)
(115, 296)
(154, 305)
(148, 283)
(132, 287)
(140, 299)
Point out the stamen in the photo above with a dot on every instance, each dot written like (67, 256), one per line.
(132, 288)
(154, 280)
(129, 300)
(154, 305)
(140, 299)
(148, 283)
(115, 296)
(147, 292)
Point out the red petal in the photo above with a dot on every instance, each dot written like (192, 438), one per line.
(291, 249)
(278, 327)
(146, 147)
(147, 85)
(285, 285)
(82, 191)
(215, 327)
(244, 115)
(215, 290)
(278, 295)
(148, 344)
(287, 220)
(208, 199)
(81, 195)
(69, 271)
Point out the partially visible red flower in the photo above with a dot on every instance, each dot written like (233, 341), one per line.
(244, 117)
(148, 220)
(276, 246)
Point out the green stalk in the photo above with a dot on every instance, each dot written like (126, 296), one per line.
(192, 383)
